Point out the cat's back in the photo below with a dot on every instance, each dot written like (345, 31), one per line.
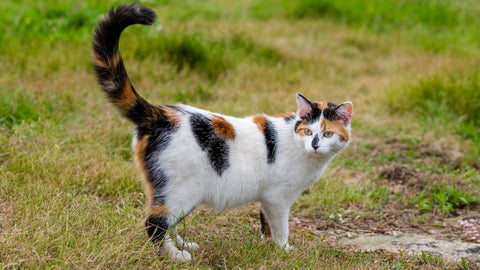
(215, 142)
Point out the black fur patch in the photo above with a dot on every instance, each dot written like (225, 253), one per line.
(160, 133)
(314, 114)
(289, 119)
(216, 147)
(297, 124)
(263, 223)
(271, 139)
(330, 112)
(138, 112)
(156, 227)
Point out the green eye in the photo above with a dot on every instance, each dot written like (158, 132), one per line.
(327, 134)
(307, 132)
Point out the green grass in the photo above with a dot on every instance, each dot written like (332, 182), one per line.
(70, 196)
(446, 199)
(200, 53)
(433, 25)
(449, 100)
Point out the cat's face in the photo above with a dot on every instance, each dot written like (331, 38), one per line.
(322, 129)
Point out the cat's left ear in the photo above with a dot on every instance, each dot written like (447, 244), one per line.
(304, 105)
(344, 112)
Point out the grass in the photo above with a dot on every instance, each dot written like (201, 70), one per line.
(444, 21)
(70, 196)
(446, 199)
(455, 98)
(199, 53)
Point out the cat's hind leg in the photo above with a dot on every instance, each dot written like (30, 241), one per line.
(177, 214)
(158, 229)
(189, 246)
(161, 226)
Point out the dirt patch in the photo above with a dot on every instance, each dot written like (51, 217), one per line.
(416, 244)
(442, 154)
(401, 176)
(425, 152)
(400, 172)
(398, 231)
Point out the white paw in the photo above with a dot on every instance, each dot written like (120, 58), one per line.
(190, 246)
(180, 256)
(174, 254)
(288, 248)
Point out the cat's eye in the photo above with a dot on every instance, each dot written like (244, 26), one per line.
(327, 134)
(307, 132)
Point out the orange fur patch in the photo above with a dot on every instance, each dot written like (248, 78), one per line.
(322, 105)
(157, 210)
(99, 62)
(301, 127)
(172, 116)
(337, 127)
(127, 97)
(223, 128)
(284, 115)
(113, 62)
(139, 149)
(260, 120)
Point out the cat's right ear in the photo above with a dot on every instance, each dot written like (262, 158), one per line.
(344, 112)
(304, 106)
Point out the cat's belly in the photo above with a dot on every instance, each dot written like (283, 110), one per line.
(231, 189)
(237, 186)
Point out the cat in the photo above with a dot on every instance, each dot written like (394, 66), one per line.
(189, 156)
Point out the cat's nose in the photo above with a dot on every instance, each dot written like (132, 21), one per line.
(315, 142)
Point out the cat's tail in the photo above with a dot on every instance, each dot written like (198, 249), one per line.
(111, 73)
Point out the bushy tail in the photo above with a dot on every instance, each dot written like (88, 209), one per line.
(111, 73)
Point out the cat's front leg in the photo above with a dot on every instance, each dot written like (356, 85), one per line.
(276, 215)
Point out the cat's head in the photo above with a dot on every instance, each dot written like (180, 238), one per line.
(322, 128)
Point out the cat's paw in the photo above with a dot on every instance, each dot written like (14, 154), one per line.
(179, 256)
(288, 248)
(172, 253)
(190, 246)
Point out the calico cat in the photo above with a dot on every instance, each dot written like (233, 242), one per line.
(188, 156)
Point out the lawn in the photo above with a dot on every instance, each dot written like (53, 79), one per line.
(71, 197)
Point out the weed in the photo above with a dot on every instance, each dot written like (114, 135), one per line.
(380, 197)
(445, 198)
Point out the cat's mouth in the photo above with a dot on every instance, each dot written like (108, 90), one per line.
(319, 152)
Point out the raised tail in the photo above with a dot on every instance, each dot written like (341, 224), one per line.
(111, 73)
